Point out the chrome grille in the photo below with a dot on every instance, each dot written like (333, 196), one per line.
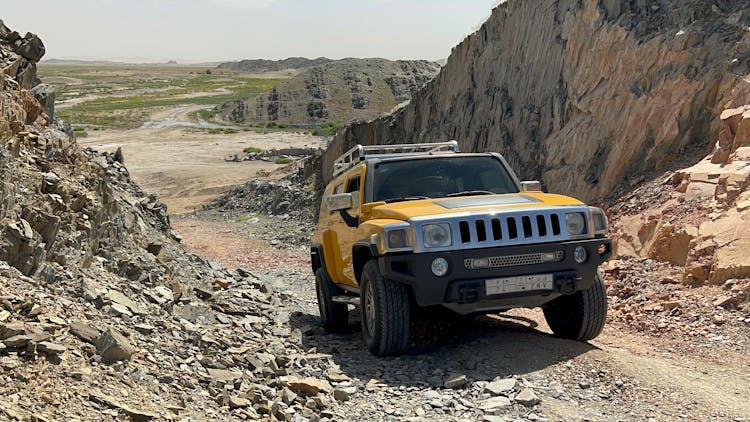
(514, 228)
(493, 228)
(513, 260)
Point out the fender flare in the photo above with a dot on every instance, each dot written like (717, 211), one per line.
(362, 251)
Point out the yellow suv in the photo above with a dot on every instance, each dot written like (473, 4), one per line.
(423, 225)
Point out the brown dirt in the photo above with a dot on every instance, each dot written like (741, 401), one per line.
(185, 167)
(225, 244)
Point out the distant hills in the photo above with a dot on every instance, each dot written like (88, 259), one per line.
(338, 91)
(263, 65)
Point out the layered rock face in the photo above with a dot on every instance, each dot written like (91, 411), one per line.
(338, 91)
(263, 65)
(583, 95)
(697, 218)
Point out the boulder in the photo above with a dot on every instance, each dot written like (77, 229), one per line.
(309, 386)
(31, 47)
(45, 94)
(113, 346)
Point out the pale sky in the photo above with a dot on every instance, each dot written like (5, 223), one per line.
(218, 30)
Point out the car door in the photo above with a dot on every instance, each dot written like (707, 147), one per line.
(342, 235)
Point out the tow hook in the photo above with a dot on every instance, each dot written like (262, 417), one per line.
(566, 286)
(468, 294)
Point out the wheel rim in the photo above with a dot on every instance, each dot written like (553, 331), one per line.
(370, 310)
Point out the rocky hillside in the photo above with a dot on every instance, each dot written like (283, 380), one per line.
(263, 65)
(696, 219)
(583, 95)
(103, 314)
(338, 91)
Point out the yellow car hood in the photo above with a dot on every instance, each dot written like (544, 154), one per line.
(484, 203)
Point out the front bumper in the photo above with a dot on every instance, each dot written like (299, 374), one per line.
(461, 286)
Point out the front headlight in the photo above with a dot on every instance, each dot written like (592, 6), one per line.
(599, 220)
(437, 235)
(395, 238)
(398, 239)
(576, 223)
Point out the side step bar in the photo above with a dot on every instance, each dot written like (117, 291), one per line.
(349, 300)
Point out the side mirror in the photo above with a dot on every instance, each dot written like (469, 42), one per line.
(531, 186)
(340, 202)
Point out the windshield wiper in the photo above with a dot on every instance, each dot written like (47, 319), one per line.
(405, 198)
(470, 193)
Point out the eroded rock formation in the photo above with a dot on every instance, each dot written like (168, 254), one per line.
(697, 218)
(338, 91)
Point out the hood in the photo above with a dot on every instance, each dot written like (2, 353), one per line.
(471, 204)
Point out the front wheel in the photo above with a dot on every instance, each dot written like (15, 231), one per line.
(579, 316)
(386, 312)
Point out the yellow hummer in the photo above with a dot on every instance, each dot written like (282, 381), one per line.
(418, 225)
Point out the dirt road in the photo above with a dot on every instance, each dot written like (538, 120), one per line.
(622, 375)
(185, 166)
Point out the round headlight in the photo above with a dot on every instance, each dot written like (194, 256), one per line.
(580, 254)
(575, 223)
(437, 235)
(439, 267)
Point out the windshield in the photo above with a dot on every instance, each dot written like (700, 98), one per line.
(440, 177)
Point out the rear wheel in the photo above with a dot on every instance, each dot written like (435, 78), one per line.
(334, 316)
(579, 316)
(385, 312)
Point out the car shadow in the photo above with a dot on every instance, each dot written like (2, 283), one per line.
(482, 348)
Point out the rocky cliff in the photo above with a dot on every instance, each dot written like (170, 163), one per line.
(263, 65)
(584, 95)
(103, 314)
(338, 91)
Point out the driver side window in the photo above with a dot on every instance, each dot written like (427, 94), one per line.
(353, 185)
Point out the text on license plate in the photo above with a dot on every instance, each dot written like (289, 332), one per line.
(522, 283)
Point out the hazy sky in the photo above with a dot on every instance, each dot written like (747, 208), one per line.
(212, 30)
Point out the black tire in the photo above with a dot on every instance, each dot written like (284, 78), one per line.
(334, 316)
(580, 316)
(385, 313)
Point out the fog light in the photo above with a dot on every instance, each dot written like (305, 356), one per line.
(550, 256)
(580, 254)
(439, 267)
(480, 263)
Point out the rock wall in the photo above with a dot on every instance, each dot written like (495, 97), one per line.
(584, 95)
(338, 91)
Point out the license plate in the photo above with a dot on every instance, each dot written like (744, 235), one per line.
(522, 283)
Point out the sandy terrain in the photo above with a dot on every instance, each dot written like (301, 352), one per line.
(185, 167)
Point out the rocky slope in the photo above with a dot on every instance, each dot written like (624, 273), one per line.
(696, 218)
(338, 91)
(263, 65)
(103, 314)
(584, 95)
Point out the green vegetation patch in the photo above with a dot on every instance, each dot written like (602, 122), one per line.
(327, 129)
(283, 160)
(123, 96)
(222, 130)
(252, 150)
(80, 132)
